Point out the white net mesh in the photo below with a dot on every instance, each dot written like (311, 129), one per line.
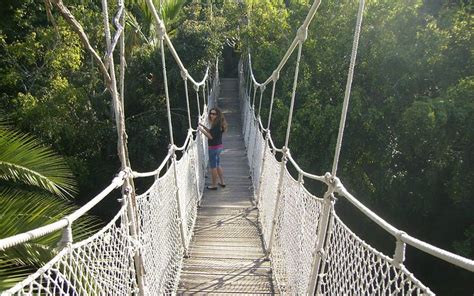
(101, 265)
(160, 239)
(257, 159)
(295, 236)
(248, 126)
(354, 267)
(188, 193)
(251, 142)
(200, 156)
(160, 222)
(268, 193)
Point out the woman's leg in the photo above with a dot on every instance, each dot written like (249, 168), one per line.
(213, 156)
(214, 177)
(220, 173)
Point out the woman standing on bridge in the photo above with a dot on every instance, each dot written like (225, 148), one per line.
(215, 146)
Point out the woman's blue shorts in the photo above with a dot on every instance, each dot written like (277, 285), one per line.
(214, 158)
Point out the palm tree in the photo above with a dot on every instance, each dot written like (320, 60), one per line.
(143, 24)
(36, 188)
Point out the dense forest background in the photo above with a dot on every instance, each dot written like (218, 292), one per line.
(408, 150)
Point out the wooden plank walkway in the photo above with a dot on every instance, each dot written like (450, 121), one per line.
(226, 254)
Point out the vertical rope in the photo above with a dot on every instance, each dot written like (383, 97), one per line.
(185, 78)
(165, 81)
(347, 94)
(293, 94)
(254, 95)
(262, 89)
(118, 102)
(205, 101)
(180, 207)
(276, 209)
(122, 57)
(271, 103)
(208, 93)
(249, 84)
(196, 88)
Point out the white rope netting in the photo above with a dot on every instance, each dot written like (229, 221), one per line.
(354, 267)
(100, 265)
(295, 236)
(160, 220)
(161, 245)
(310, 248)
(104, 263)
(268, 194)
(257, 157)
(187, 184)
(351, 267)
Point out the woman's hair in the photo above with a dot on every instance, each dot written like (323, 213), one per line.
(220, 119)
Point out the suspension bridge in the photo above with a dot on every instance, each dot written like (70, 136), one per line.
(266, 234)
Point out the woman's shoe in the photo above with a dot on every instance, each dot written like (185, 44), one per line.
(211, 188)
(222, 185)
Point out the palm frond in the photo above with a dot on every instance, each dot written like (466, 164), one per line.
(24, 211)
(23, 159)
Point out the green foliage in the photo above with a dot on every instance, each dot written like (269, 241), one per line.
(32, 177)
(22, 159)
(407, 149)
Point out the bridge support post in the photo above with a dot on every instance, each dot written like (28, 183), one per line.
(324, 230)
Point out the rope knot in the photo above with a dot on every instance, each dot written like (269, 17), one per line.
(161, 30)
(128, 172)
(285, 151)
(196, 87)
(66, 237)
(399, 255)
(262, 87)
(275, 75)
(302, 33)
(184, 74)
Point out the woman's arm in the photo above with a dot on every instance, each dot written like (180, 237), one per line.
(204, 127)
(205, 131)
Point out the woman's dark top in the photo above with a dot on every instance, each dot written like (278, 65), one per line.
(216, 134)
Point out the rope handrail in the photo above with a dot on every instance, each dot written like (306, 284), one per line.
(162, 31)
(273, 146)
(403, 236)
(171, 150)
(302, 172)
(292, 47)
(64, 222)
(156, 171)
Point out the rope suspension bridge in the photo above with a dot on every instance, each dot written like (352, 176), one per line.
(263, 235)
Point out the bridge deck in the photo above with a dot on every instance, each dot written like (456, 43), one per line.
(226, 254)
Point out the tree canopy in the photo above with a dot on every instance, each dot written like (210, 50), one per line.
(408, 147)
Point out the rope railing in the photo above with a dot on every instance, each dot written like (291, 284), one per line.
(403, 236)
(64, 222)
(125, 252)
(311, 249)
(293, 219)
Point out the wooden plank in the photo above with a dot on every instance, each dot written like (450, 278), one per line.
(226, 253)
